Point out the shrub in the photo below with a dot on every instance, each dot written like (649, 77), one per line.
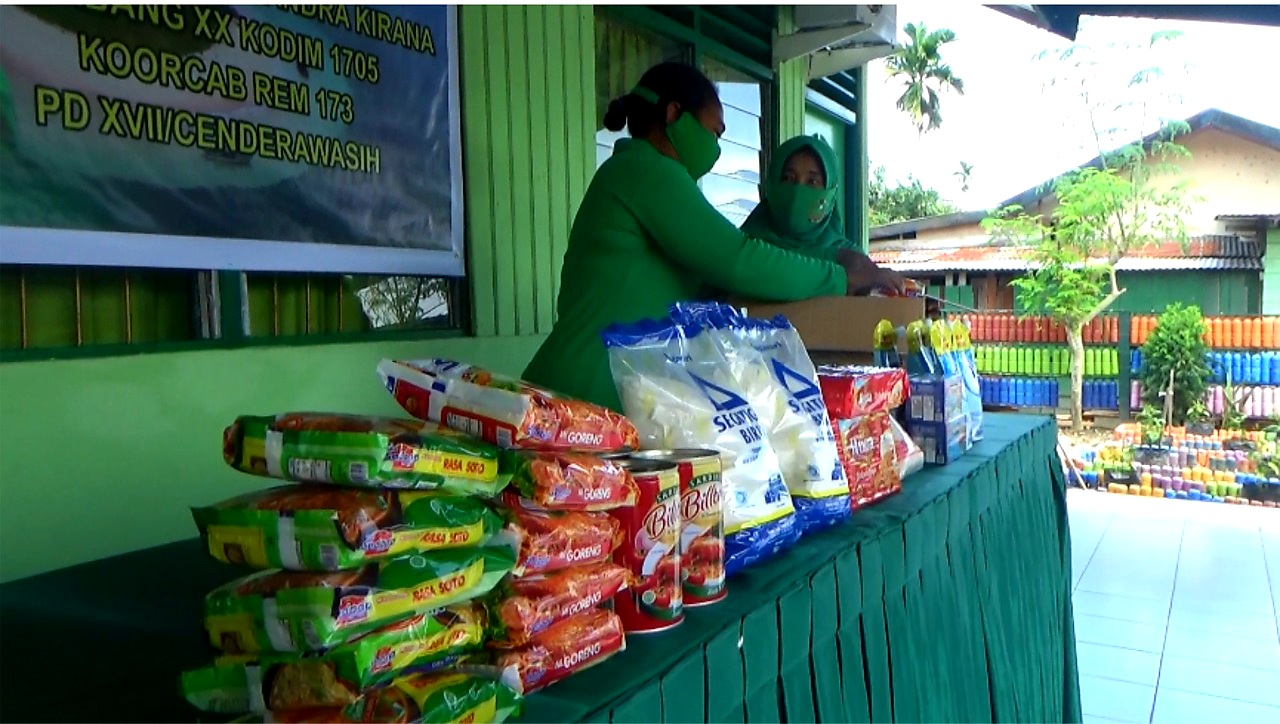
(1177, 344)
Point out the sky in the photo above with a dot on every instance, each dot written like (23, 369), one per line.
(1018, 131)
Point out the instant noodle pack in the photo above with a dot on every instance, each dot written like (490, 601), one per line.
(410, 570)
(443, 566)
(503, 411)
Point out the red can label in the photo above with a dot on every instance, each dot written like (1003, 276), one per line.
(651, 550)
(702, 531)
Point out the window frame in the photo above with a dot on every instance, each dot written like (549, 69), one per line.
(232, 300)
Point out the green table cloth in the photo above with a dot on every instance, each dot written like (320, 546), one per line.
(950, 601)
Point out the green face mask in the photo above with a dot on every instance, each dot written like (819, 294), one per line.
(797, 208)
(698, 148)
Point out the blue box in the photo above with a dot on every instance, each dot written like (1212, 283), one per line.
(941, 442)
(935, 398)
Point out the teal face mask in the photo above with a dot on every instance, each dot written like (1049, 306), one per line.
(698, 148)
(797, 208)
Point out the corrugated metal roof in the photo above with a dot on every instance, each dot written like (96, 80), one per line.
(1246, 217)
(1202, 253)
(1016, 265)
(1197, 264)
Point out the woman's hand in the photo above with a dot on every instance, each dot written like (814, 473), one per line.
(888, 280)
(864, 276)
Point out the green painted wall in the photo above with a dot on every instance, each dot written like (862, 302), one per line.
(1215, 292)
(528, 103)
(102, 456)
(1271, 274)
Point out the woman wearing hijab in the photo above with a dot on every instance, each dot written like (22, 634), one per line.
(799, 213)
(645, 237)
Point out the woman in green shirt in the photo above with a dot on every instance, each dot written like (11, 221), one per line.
(799, 212)
(645, 236)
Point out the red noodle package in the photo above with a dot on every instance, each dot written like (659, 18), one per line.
(526, 607)
(570, 481)
(566, 648)
(554, 541)
(503, 411)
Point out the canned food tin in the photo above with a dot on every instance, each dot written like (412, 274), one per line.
(701, 523)
(651, 549)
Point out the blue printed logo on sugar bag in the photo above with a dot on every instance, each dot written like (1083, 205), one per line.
(735, 415)
(806, 397)
(777, 490)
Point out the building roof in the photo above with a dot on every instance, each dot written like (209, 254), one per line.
(1064, 20)
(1259, 133)
(1216, 251)
(1271, 220)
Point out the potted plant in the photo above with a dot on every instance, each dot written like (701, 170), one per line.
(1235, 401)
(1199, 421)
(1151, 422)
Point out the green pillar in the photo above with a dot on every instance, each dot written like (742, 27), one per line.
(855, 166)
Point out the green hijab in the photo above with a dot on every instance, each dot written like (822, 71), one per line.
(797, 217)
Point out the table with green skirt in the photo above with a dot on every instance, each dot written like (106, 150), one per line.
(950, 601)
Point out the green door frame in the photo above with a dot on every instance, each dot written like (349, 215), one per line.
(857, 225)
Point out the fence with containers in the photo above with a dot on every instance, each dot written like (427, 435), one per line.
(1024, 361)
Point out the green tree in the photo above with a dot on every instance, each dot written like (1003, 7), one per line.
(1102, 213)
(1129, 199)
(903, 201)
(1176, 347)
(918, 63)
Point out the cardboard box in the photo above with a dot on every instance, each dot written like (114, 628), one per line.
(935, 399)
(941, 442)
(839, 324)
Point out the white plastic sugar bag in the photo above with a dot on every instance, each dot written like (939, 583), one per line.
(678, 388)
(801, 433)
(773, 371)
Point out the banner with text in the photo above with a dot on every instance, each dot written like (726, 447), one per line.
(285, 137)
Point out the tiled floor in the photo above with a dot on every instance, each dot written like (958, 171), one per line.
(1177, 609)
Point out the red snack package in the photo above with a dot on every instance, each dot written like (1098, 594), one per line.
(570, 481)
(531, 605)
(503, 411)
(869, 455)
(852, 392)
(564, 649)
(553, 541)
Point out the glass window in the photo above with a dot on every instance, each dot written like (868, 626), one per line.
(290, 305)
(733, 186)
